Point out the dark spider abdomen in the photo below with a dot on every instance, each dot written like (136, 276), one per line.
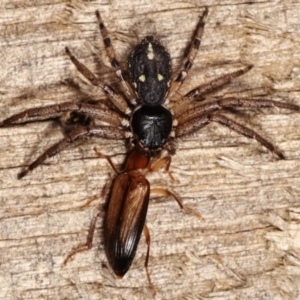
(150, 71)
(152, 126)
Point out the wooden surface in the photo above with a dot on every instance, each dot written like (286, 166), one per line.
(248, 246)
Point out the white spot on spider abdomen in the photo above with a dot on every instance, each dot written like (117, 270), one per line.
(150, 53)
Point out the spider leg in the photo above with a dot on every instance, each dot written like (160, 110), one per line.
(233, 102)
(202, 120)
(113, 61)
(206, 88)
(55, 110)
(106, 132)
(116, 99)
(193, 49)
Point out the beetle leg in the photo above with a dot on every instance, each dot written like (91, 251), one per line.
(99, 154)
(89, 241)
(162, 162)
(147, 237)
(108, 184)
(103, 193)
(165, 192)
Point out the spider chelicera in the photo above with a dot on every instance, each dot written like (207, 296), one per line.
(151, 122)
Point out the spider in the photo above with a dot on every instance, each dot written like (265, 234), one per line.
(146, 116)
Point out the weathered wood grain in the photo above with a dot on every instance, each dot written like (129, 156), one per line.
(248, 246)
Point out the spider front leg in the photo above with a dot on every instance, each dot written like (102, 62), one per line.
(105, 132)
(195, 124)
(116, 99)
(193, 49)
(114, 62)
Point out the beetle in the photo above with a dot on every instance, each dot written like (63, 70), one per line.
(125, 216)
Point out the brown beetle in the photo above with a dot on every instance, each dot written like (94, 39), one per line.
(126, 212)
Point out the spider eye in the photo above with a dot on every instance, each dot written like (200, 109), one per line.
(142, 78)
(160, 77)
